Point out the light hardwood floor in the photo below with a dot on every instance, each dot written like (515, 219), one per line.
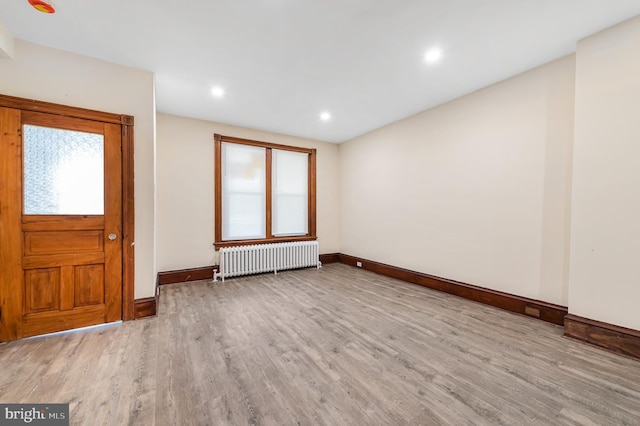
(335, 346)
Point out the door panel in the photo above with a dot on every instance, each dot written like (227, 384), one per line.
(62, 242)
(41, 290)
(89, 284)
(69, 273)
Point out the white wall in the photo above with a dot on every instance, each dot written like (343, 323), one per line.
(6, 42)
(476, 190)
(38, 72)
(186, 189)
(605, 235)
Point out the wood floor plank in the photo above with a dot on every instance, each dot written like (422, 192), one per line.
(334, 346)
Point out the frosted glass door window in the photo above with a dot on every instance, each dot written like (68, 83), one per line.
(243, 192)
(290, 193)
(63, 171)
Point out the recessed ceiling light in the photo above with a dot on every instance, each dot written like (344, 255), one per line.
(217, 91)
(433, 55)
(325, 116)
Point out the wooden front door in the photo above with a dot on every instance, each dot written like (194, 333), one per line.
(60, 223)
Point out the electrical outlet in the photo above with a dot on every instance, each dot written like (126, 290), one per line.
(359, 264)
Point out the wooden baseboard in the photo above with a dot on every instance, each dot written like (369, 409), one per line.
(184, 275)
(611, 337)
(532, 308)
(145, 307)
(330, 258)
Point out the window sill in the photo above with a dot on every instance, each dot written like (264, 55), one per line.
(222, 244)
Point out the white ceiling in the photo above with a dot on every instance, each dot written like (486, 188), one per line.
(283, 62)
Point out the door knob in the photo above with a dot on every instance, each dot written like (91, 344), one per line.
(112, 237)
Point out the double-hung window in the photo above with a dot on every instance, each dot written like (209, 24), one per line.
(264, 192)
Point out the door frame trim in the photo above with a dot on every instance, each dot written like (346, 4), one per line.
(128, 201)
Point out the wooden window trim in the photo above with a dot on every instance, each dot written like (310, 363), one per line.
(311, 227)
